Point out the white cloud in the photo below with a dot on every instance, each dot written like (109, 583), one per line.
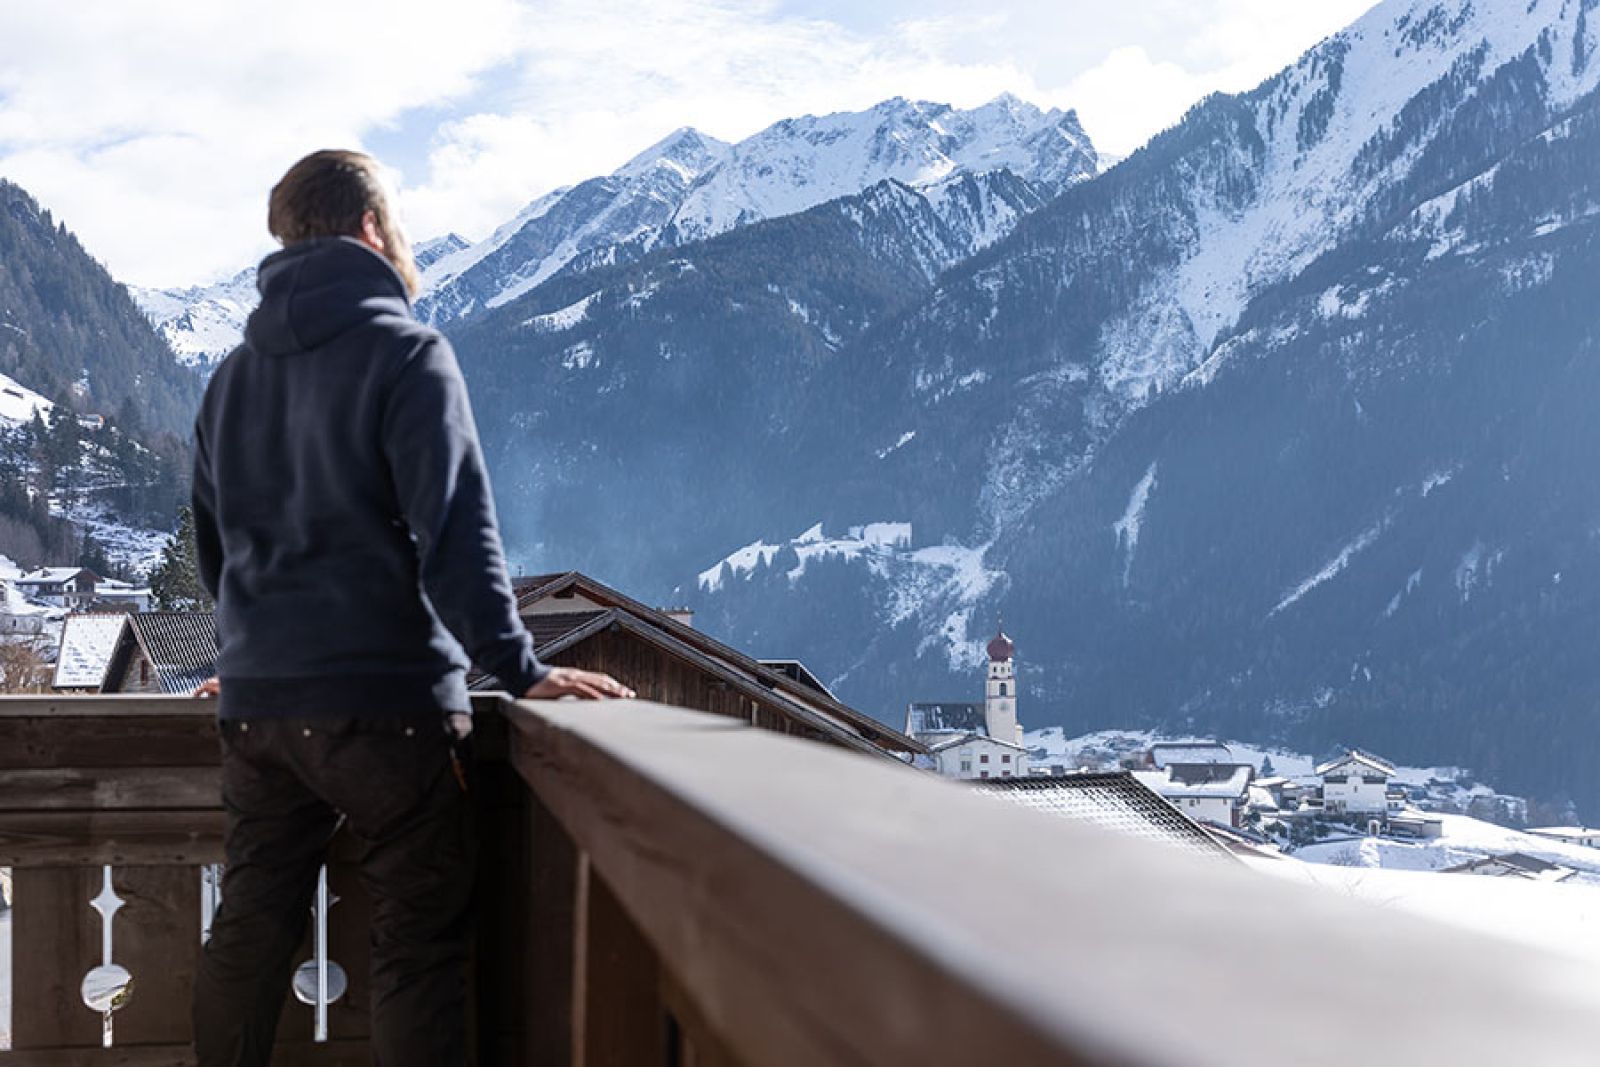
(155, 129)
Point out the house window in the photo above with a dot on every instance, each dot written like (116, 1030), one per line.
(1002, 689)
(144, 671)
(1005, 758)
(983, 774)
(1005, 774)
(966, 766)
(984, 758)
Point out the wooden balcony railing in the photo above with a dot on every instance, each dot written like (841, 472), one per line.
(662, 887)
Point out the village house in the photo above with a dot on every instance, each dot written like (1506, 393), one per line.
(1355, 783)
(1572, 835)
(21, 617)
(62, 587)
(1206, 792)
(111, 594)
(162, 652)
(576, 621)
(978, 756)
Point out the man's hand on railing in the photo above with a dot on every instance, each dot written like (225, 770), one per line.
(585, 685)
(208, 688)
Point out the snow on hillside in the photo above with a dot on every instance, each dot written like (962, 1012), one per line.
(18, 403)
(875, 537)
(1319, 168)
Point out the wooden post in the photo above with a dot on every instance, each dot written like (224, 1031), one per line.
(624, 1023)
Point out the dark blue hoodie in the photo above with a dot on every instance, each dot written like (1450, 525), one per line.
(342, 511)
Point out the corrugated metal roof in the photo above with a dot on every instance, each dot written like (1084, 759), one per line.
(87, 642)
(1113, 801)
(182, 645)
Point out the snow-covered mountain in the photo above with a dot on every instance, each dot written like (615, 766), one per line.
(203, 323)
(690, 187)
(1275, 428)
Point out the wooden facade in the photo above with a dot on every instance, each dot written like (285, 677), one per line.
(579, 622)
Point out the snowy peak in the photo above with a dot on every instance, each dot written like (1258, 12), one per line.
(798, 163)
(429, 252)
(686, 150)
(689, 186)
(202, 323)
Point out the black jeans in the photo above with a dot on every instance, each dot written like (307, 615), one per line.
(284, 784)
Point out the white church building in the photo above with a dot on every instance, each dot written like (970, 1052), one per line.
(972, 740)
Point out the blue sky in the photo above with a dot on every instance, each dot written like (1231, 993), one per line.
(155, 129)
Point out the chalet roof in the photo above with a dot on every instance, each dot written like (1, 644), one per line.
(947, 717)
(1563, 832)
(54, 574)
(548, 629)
(87, 644)
(1164, 752)
(1232, 786)
(797, 671)
(957, 742)
(788, 695)
(1111, 800)
(181, 646)
(1355, 755)
(1514, 864)
(1208, 773)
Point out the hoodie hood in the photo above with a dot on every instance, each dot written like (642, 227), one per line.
(313, 291)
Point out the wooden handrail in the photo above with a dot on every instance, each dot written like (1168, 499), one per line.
(809, 906)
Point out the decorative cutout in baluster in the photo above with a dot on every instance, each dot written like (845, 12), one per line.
(319, 981)
(210, 897)
(106, 987)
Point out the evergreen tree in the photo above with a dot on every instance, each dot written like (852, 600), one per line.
(175, 583)
(92, 554)
(1267, 770)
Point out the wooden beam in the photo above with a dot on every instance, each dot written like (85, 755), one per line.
(45, 741)
(91, 838)
(332, 1054)
(109, 788)
(818, 908)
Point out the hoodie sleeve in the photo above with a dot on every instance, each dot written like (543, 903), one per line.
(203, 504)
(431, 443)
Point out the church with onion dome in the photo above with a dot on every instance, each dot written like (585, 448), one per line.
(976, 740)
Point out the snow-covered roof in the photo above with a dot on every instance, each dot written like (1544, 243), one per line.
(1357, 756)
(1514, 865)
(1261, 797)
(50, 574)
(957, 742)
(1564, 833)
(1231, 787)
(1163, 753)
(14, 603)
(87, 642)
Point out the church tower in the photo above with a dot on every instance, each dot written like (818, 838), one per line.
(1000, 695)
